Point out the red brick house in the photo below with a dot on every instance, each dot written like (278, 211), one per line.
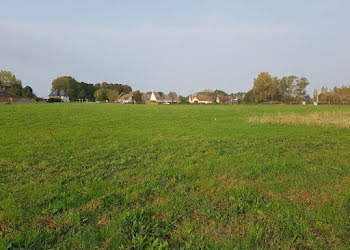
(6, 97)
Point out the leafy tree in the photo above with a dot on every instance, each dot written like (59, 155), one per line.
(300, 90)
(248, 97)
(10, 83)
(268, 88)
(315, 95)
(213, 94)
(264, 88)
(101, 94)
(112, 95)
(81, 90)
(27, 92)
(240, 96)
(291, 88)
(339, 95)
(206, 92)
(183, 99)
(121, 88)
(137, 96)
(69, 85)
(82, 94)
(87, 91)
(219, 92)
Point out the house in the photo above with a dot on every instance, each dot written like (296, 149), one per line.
(6, 97)
(59, 94)
(227, 99)
(172, 97)
(156, 97)
(160, 97)
(200, 99)
(146, 97)
(127, 98)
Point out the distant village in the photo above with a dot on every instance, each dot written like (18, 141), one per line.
(266, 89)
(154, 97)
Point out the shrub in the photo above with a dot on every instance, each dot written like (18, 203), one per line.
(51, 100)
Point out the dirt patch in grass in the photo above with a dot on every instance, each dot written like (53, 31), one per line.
(46, 222)
(340, 119)
(309, 197)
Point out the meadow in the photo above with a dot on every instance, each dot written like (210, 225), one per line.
(110, 176)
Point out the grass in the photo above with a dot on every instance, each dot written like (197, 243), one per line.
(137, 176)
(340, 119)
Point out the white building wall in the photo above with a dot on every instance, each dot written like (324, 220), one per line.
(153, 98)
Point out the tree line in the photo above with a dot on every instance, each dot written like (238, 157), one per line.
(267, 88)
(336, 96)
(10, 84)
(87, 91)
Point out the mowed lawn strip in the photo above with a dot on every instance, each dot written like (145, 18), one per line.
(171, 176)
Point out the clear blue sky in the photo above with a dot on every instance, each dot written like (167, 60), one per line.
(176, 45)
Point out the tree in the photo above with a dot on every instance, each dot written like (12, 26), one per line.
(10, 83)
(183, 99)
(213, 94)
(69, 85)
(82, 94)
(121, 88)
(27, 92)
(315, 95)
(137, 96)
(300, 89)
(268, 88)
(240, 96)
(101, 94)
(285, 88)
(112, 95)
(248, 97)
(264, 88)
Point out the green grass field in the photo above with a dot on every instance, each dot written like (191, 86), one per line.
(137, 176)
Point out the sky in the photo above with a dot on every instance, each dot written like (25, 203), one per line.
(179, 45)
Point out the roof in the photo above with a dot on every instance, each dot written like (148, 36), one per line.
(203, 98)
(6, 94)
(158, 95)
(58, 93)
(161, 97)
(173, 96)
(146, 97)
(126, 97)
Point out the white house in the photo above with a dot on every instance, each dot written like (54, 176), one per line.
(200, 99)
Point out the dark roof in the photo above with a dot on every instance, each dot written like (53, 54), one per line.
(58, 93)
(6, 94)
